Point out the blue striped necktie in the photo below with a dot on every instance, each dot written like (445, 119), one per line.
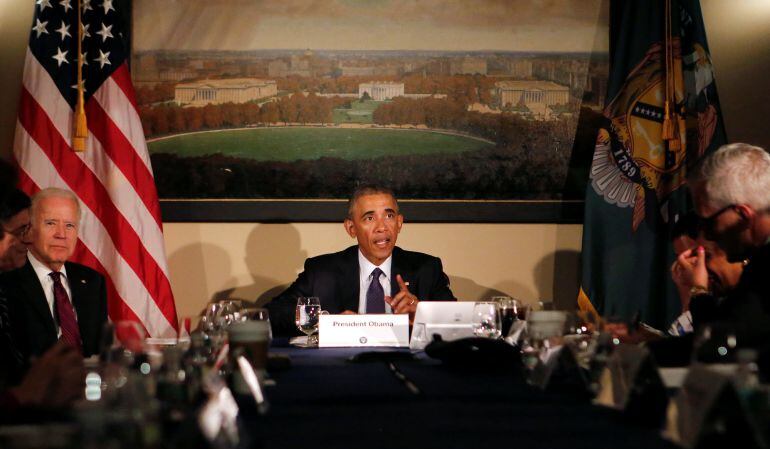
(375, 295)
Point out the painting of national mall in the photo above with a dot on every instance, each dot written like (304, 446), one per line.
(534, 86)
(313, 122)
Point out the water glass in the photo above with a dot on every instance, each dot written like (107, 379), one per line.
(716, 343)
(306, 318)
(230, 311)
(486, 320)
(256, 314)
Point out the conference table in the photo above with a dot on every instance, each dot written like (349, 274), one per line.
(324, 400)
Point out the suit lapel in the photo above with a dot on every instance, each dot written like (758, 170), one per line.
(34, 291)
(77, 288)
(349, 288)
(399, 265)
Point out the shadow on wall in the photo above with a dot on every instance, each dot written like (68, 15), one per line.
(466, 289)
(273, 255)
(190, 268)
(565, 267)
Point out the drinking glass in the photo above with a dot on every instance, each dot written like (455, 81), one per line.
(256, 314)
(486, 320)
(306, 319)
(230, 311)
(509, 308)
(716, 343)
(210, 320)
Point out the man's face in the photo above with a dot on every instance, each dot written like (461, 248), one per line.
(375, 223)
(13, 248)
(54, 231)
(723, 275)
(725, 226)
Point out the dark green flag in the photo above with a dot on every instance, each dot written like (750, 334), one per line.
(636, 188)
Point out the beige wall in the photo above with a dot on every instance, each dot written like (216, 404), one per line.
(248, 260)
(528, 261)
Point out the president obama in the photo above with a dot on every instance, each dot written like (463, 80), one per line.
(374, 276)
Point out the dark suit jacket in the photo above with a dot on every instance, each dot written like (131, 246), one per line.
(34, 327)
(746, 308)
(334, 278)
(11, 363)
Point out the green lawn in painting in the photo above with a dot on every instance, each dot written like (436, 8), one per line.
(291, 144)
(359, 112)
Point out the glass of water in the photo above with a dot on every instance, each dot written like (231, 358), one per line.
(306, 318)
(486, 320)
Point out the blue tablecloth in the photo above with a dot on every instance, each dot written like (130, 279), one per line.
(325, 401)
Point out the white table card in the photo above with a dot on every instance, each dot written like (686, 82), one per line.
(363, 330)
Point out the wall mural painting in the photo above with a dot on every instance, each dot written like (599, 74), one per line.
(442, 100)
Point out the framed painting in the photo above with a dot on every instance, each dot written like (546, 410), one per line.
(276, 110)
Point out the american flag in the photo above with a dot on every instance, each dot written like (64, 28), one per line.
(121, 233)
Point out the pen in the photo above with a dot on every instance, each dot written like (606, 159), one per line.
(405, 380)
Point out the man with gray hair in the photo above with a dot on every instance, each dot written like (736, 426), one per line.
(731, 191)
(52, 298)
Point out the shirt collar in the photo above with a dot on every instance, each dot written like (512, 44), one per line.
(366, 267)
(42, 269)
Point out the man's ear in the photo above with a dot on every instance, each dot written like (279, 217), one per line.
(349, 227)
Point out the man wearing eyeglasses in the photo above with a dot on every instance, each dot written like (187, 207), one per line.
(731, 191)
(14, 224)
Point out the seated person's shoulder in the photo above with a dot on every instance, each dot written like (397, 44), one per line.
(414, 258)
(84, 271)
(331, 261)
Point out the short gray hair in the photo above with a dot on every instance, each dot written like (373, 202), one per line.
(53, 192)
(737, 173)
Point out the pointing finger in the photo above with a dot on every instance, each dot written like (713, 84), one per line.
(403, 285)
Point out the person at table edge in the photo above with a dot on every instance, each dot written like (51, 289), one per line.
(730, 192)
(51, 297)
(343, 281)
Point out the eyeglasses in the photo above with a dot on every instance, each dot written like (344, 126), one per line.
(18, 232)
(707, 223)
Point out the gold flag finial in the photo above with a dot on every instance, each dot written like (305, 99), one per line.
(81, 125)
(672, 120)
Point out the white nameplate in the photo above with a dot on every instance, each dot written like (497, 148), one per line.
(363, 330)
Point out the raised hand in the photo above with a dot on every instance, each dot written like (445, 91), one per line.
(404, 301)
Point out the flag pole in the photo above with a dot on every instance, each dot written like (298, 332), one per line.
(81, 126)
(672, 120)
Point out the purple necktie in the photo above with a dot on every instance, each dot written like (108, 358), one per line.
(65, 313)
(375, 295)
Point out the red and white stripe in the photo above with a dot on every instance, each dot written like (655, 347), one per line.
(121, 229)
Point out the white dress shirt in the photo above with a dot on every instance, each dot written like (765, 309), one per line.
(365, 269)
(42, 272)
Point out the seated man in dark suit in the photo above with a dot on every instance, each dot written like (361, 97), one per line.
(374, 276)
(56, 378)
(51, 298)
